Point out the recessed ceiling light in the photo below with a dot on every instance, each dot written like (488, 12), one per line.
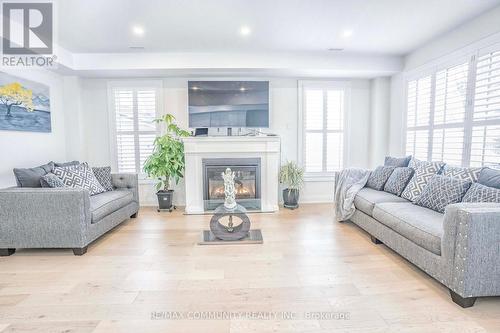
(195, 88)
(242, 89)
(347, 33)
(138, 30)
(245, 30)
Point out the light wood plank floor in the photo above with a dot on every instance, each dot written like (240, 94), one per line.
(307, 264)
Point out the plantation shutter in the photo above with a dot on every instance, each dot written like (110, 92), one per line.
(323, 121)
(134, 111)
(450, 98)
(418, 117)
(485, 141)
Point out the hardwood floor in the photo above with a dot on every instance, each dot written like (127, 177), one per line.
(149, 268)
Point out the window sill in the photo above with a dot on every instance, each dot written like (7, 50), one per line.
(319, 177)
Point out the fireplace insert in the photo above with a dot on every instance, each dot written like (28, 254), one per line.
(246, 181)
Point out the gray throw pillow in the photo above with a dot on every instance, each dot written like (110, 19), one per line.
(442, 191)
(423, 172)
(79, 176)
(397, 161)
(31, 177)
(490, 177)
(51, 180)
(65, 164)
(481, 193)
(103, 175)
(398, 180)
(379, 177)
(470, 174)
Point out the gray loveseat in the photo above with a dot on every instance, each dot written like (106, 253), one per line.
(64, 217)
(460, 248)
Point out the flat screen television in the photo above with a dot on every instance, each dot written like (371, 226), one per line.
(228, 104)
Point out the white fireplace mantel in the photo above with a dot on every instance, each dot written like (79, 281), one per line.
(267, 148)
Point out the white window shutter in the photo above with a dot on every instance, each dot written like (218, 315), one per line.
(134, 109)
(323, 128)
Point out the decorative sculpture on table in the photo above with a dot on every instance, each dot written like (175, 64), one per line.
(229, 191)
(221, 233)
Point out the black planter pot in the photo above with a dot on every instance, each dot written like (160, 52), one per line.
(165, 200)
(291, 198)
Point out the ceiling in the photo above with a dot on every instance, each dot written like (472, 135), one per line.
(392, 27)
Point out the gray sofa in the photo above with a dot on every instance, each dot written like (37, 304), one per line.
(64, 217)
(460, 248)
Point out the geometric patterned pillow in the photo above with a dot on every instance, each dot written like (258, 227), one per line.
(423, 172)
(470, 174)
(79, 176)
(481, 193)
(379, 177)
(398, 180)
(51, 180)
(103, 175)
(442, 191)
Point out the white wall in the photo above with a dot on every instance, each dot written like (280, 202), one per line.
(30, 149)
(480, 32)
(284, 115)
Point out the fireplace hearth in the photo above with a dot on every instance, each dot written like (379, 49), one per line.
(247, 181)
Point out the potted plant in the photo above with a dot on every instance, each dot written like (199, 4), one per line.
(167, 160)
(292, 176)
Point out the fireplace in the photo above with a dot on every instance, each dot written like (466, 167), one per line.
(246, 181)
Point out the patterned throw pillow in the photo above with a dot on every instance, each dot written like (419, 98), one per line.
(379, 177)
(51, 180)
(79, 176)
(442, 191)
(423, 172)
(103, 176)
(398, 180)
(481, 193)
(470, 174)
(397, 161)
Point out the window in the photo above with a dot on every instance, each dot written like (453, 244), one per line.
(453, 114)
(133, 107)
(418, 115)
(322, 110)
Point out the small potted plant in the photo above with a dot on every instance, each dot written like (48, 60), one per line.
(292, 176)
(167, 160)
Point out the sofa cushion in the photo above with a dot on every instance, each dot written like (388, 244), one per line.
(470, 174)
(366, 199)
(480, 193)
(420, 225)
(397, 161)
(442, 191)
(31, 177)
(103, 176)
(423, 172)
(398, 180)
(51, 181)
(378, 177)
(106, 203)
(490, 177)
(79, 176)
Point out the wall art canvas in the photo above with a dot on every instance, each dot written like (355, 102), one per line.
(24, 105)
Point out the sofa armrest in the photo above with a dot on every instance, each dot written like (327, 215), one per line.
(43, 217)
(126, 181)
(471, 246)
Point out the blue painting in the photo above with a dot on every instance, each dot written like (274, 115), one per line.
(24, 105)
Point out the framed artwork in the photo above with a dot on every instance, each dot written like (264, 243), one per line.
(24, 105)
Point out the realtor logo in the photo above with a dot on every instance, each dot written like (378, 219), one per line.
(27, 28)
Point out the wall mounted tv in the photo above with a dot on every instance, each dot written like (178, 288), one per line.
(228, 104)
